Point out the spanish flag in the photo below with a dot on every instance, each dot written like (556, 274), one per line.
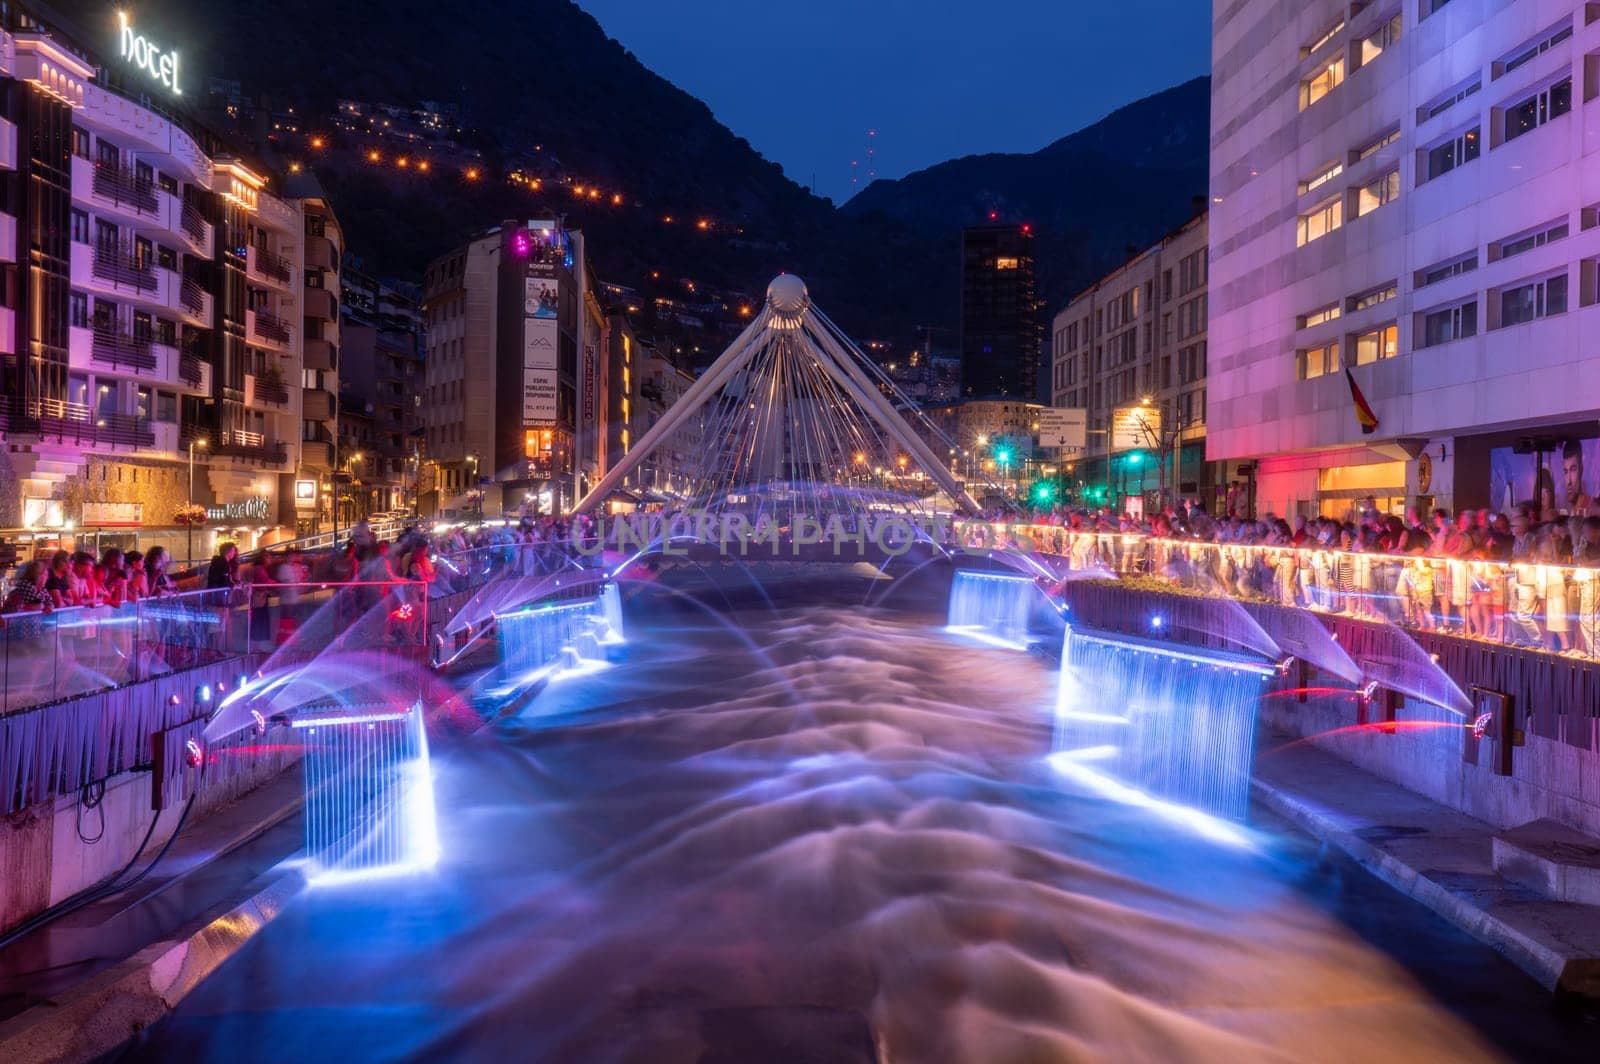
(1364, 414)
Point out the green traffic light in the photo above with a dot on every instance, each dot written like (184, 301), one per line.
(1135, 458)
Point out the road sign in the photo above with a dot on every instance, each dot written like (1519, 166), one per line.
(1064, 427)
(1135, 427)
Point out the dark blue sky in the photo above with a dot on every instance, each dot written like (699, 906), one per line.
(803, 80)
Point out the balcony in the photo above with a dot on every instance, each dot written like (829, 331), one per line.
(194, 303)
(194, 372)
(321, 354)
(321, 254)
(270, 269)
(316, 454)
(316, 405)
(196, 231)
(8, 237)
(265, 391)
(121, 266)
(250, 447)
(73, 423)
(124, 191)
(267, 331)
(320, 303)
(115, 348)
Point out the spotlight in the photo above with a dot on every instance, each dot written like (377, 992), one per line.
(1368, 691)
(1480, 727)
(1285, 665)
(1155, 622)
(192, 752)
(261, 722)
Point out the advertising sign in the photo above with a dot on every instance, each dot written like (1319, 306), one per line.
(1064, 428)
(591, 384)
(542, 296)
(1135, 428)
(1568, 483)
(540, 339)
(113, 514)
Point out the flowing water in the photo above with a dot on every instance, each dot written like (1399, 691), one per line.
(787, 827)
(996, 605)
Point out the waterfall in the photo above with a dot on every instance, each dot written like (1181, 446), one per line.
(996, 605)
(369, 792)
(609, 607)
(1175, 722)
(533, 637)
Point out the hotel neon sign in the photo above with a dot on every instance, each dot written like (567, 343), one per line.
(137, 49)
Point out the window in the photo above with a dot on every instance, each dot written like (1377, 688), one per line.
(80, 226)
(166, 407)
(1385, 189)
(1191, 272)
(1372, 297)
(1529, 114)
(166, 332)
(1452, 153)
(1319, 316)
(167, 258)
(1320, 221)
(1449, 98)
(1444, 270)
(1527, 241)
(1449, 323)
(1383, 37)
(1380, 343)
(1321, 83)
(1321, 177)
(1316, 45)
(1005, 262)
(1166, 285)
(79, 304)
(1319, 361)
(1434, 5)
(1526, 53)
(167, 183)
(1536, 299)
(1377, 144)
(80, 142)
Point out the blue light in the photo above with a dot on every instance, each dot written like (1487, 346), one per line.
(1155, 621)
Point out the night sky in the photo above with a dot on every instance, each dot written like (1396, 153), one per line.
(804, 80)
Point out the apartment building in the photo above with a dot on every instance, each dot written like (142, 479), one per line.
(1000, 328)
(1406, 196)
(148, 356)
(381, 384)
(1138, 337)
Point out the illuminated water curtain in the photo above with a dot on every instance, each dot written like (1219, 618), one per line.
(996, 605)
(369, 791)
(556, 633)
(1176, 722)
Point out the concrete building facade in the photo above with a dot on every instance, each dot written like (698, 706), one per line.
(1410, 193)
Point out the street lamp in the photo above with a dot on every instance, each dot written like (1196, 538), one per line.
(200, 442)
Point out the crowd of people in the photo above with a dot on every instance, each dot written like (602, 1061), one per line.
(1528, 577)
(70, 578)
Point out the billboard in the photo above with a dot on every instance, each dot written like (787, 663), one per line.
(540, 341)
(541, 297)
(1135, 428)
(1567, 484)
(1064, 428)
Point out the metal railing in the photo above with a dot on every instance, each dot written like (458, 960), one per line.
(125, 188)
(1532, 603)
(270, 265)
(271, 328)
(192, 223)
(251, 446)
(63, 421)
(123, 265)
(192, 297)
(118, 348)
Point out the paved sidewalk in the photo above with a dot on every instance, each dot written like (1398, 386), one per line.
(1438, 856)
(86, 983)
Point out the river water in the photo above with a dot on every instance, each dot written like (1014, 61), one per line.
(787, 827)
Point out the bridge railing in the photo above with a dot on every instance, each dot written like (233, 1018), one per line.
(1538, 605)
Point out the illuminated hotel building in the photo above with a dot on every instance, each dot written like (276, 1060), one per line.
(151, 305)
(1410, 191)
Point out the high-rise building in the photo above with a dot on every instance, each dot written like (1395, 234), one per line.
(1137, 337)
(149, 351)
(321, 459)
(380, 396)
(1407, 193)
(1000, 326)
(512, 422)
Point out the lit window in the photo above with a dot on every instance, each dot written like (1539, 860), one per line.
(1449, 323)
(1386, 35)
(1373, 147)
(1381, 343)
(1319, 316)
(1319, 361)
(1385, 189)
(1536, 299)
(1321, 177)
(1534, 111)
(1320, 221)
(1005, 263)
(1453, 153)
(1321, 83)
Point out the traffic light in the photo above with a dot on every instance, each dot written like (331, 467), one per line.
(1044, 491)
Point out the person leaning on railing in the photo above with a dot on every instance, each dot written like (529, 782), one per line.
(29, 595)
